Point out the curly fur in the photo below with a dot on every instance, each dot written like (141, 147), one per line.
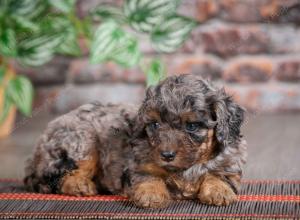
(120, 149)
(73, 137)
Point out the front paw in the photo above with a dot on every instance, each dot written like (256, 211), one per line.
(78, 186)
(152, 194)
(216, 192)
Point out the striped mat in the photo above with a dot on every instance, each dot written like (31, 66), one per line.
(259, 199)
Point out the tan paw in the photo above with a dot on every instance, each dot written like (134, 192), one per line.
(152, 194)
(78, 186)
(216, 192)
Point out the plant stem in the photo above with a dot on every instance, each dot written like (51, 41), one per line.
(3, 62)
(80, 25)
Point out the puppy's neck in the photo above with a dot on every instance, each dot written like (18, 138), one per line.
(154, 170)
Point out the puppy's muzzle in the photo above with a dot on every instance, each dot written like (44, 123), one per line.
(168, 155)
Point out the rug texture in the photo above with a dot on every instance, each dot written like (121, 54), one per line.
(258, 199)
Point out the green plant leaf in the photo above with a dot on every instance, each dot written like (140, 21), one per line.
(4, 5)
(20, 92)
(5, 108)
(69, 46)
(39, 49)
(62, 25)
(25, 23)
(171, 33)
(2, 74)
(35, 58)
(65, 6)
(27, 8)
(55, 23)
(106, 40)
(127, 55)
(112, 43)
(155, 72)
(144, 15)
(8, 43)
(104, 12)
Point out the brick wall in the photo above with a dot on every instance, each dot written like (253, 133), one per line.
(250, 46)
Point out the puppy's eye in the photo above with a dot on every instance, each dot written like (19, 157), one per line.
(192, 126)
(153, 125)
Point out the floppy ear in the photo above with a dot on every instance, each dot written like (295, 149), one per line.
(228, 115)
(139, 127)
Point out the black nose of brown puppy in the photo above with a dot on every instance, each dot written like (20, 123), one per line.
(168, 155)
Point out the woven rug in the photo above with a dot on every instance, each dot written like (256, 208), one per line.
(258, 199)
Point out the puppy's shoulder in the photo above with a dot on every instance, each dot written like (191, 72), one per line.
(105, 118)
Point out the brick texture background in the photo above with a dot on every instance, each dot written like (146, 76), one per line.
(250, 46)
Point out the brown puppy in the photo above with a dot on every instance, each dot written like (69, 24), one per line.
(183, 142)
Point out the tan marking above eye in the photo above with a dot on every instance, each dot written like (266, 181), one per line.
(153, 115)
(188, 117)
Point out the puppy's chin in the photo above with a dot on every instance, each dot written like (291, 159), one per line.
(172, 166)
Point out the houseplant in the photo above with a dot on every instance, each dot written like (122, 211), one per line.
(27, 35)
(33, 31)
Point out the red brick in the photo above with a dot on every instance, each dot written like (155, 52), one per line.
(53, 72)
(270, 97)
(232, 40)
(245, 70)
(81, 71)
(292, 14)
(205, 66)
(266, 11)
(200, 10)
(241, 11)
(233, 28)
(75, 96)
(288, 70)
(280, 11)
(248, 97)
(65, 98)
(206, 9)
(284, 39)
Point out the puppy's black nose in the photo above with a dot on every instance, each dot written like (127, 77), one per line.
(168, 155)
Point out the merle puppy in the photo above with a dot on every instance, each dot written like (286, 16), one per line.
(183, 142)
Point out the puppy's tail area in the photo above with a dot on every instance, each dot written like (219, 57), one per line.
(30, 183)
(33, 183)
(43, 178)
